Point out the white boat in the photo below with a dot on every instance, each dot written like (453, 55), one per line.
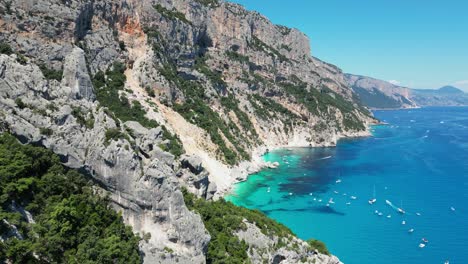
(344, 194)
(353, 197)
(331, 201)
(315, 199)
(373, 200)
(422, 245)
(338, 181)
(389, 216)
(311, 194)
(336, 192)
(424, 240)
(376, 212)
(401, 211)
(388, 202)
(348, 203)
(328, 204)
(403, 222)
(411, 230)
(268, 189)
(320, 200)
(380, 213)
(290, 193)
(446, 262)
(453, 209)
(418, 214)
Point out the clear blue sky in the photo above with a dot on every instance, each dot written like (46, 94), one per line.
(420, 44)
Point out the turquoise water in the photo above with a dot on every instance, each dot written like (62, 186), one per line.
(419, 162)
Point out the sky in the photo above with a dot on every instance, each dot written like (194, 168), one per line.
(412, 43)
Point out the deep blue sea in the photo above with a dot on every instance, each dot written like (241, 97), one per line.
(419, 162)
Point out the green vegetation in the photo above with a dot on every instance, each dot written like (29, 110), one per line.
(77, 112)
(107, 86)
(222, 219)
(46, 131)
(5, 48)
(72, 224)
(171, 14)
(235, 56)
(317, 102)
(257, 44)
(215, 78)
(267, 108)
(114, 134)
(20, 103)
(231, 104)
(50, 74)
(209, 3)
(196, 110)
(319, 245)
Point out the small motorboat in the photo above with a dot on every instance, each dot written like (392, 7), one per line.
(331, 201)
(353, 197)
(424, 240)
(268, 189)
(401, 211)
(422, 245)
(380, 213)
(328, 205)
(389, 216)
(403, 222)
(411, 230)
(372, 201)
(338, 181)
(348, 203)
(376, 212)
(310, 194)
(336, 192)
(452, 208)
(290, 193)
(320, 200)
(446, 262)
(315, 199)
(418, 214)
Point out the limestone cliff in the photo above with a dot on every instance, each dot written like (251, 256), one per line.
(120, 89)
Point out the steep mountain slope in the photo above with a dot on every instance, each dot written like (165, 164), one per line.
(380, 94)
(383, 95)
(122, 89)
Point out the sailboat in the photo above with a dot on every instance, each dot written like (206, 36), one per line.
(401, 211)
(373, 200)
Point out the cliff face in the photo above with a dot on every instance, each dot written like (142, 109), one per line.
(383, 95)
(119, 89)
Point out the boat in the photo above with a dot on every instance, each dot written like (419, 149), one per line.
(401, 211)
(336, 192)
(320, 200)
(338, 181)
(380, 213)
(388, 202)
(446, 262)
(328, 204)
(422, 245)
(331, 201)
(353, 197)
(411, 230)
(418, 214)
(268, 189)
(376, 212)
(310, 194)
(348, 203)
(290, 193)
(424, 240)
(453, 209)
(389, 216)
(315, 199)
(403, 222)
(373, 200)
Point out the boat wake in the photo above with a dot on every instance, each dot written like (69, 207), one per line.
(324, 158)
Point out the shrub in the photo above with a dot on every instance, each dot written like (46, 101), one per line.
(20, 103)
(171, 14)
(318, 245)
(46, 131)
(50, 74)
(5, 48)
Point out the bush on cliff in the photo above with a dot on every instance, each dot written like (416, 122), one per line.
(72, 224)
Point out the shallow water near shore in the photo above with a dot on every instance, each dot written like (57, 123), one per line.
(419, 162)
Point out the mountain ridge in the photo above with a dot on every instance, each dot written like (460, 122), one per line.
(150, 98)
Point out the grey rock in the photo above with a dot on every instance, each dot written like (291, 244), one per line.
(76, 81)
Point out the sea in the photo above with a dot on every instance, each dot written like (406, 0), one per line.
(417, 161)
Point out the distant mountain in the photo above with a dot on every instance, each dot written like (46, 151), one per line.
(378, 94)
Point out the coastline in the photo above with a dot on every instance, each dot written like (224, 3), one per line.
(242, 171)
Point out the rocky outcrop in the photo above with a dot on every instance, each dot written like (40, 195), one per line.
(224, 81)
